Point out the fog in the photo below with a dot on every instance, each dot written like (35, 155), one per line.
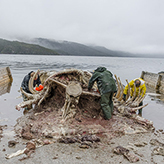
(128, 25)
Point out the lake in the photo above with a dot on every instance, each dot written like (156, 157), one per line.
(125, 68)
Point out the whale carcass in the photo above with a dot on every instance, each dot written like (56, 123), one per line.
(66, 108)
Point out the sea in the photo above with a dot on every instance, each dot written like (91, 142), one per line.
(123, 67)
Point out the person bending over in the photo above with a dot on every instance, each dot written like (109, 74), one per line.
(106, 86)
(140, 85)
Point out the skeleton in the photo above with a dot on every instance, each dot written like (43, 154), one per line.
(72, 85)
(73, 92)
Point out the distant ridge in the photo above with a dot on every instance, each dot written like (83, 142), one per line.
(15, 47)
(77, 49)
(42, 46)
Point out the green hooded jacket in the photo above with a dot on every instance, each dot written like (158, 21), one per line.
(104, 79)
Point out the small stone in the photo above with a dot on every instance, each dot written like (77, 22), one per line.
(12, 143)
(145, 143)
(46, 142)
(161, 130)
(84, 146)
(138, 144)
(55, 157)
(78, 157)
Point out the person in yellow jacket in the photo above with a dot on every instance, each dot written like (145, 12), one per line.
(140, 85)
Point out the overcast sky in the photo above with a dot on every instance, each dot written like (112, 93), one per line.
(129, 25)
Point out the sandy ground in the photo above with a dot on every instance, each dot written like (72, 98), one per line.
(71, 153)
(142, 145)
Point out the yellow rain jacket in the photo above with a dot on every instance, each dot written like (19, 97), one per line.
(142, 87)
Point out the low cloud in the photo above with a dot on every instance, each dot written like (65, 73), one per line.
(132, 26)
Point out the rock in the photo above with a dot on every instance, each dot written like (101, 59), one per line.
(29, 146)
(55, 157)
(155, 134)
(67, 140)
(78, 157)
(139, 144)
(27, 136)
(46, 142)
(12, 143)
(91, 138)
(158, 151)
(84, 146)
(155, 142)
(87, 143)
(160, 130)
(126, 153)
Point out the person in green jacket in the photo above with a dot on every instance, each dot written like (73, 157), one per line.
(106, 86)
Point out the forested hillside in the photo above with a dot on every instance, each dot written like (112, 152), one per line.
(15, 47)
(77, 49)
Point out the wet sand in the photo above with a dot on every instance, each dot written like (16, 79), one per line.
(72, 153)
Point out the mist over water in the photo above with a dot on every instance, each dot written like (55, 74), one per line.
(125, 68)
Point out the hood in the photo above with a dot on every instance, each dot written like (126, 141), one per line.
(30, 72)
(100, 69)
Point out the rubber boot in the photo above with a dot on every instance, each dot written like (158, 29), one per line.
(140, 112)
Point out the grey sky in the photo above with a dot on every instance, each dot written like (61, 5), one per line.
(129, 25)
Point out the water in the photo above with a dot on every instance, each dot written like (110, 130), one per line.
(125, 68)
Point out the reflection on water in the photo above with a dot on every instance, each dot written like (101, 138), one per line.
(125, 68)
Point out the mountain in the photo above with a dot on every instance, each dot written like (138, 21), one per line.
(113, 53)
(77, 49)
(42, 46)
(15, 47)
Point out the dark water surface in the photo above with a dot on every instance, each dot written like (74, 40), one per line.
(125, 68)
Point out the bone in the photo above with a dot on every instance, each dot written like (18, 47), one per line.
(128, 94)
(91, 94)
(57, 82)
(122, 90)
(30, 86)
(19, 152)
(31, 81)
(65, 71)
(28, 95)
(119, 90)
(137, 108)
(44, 96)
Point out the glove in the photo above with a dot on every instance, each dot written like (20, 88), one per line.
(39, 88)
(124, 97)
